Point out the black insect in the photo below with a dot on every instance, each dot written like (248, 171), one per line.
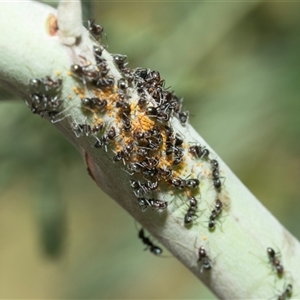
(44, 105)
(119, 156)
(45, 102)
(39, 100)
(150, 173)
(122, 84)
(87, 130)
(46, 84)
(126, 124)
(216, 174)
(276, 263)
(153, 77)
(192, 183)
(180, 183)
(85, 73)
(199, 152)
(154, 203)
(50, 84)
(35, 83)
(214, 214)
(151, 186)
(170, 140)
(105, 82)
(165, 172)
(134, 168)
(163, 116)
(77, 70)
(151, 111)
(137, 188)
(169, 149)
(134, 184)
(142, 151)
(176, 103)
(138, 136)
(214, 163)
(149, 162)
(191, 213)
(124, 153)
(177, 160)
(217, 183)
(128, 74)
(154, 136)
(178, 140)
(98, 50)
(124, 107)
(140, 73)
(119, 59)
(177, 182)
(111, 134)
(129, 148)
(104, 140)
(169, 131)
(152, 144)
(102, 69)
(95, 29)
(287, 293)
(183, 117)
(143, 99)
(143, 188)
(149, 245)
(178, 151)
(93, 103)
(204, 259)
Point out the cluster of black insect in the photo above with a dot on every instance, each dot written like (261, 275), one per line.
(106, 138)
(159, 149)
(142, 136)
(203, 153)
(44, 96)
(95, 75)
(162, 103)
(86, 129)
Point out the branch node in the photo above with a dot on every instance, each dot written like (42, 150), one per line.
(69, 18)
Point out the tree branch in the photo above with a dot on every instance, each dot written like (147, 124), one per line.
(240, 266)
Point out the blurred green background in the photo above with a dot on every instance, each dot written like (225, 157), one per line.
(237, 66)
